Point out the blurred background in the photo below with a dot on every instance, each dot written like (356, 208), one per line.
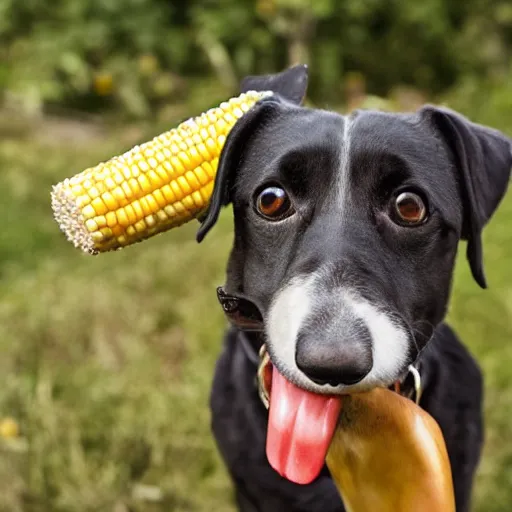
(106, 361)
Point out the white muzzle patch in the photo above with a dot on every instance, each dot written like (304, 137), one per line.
(290, 310)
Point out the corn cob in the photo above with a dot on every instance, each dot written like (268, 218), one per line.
(156, 186)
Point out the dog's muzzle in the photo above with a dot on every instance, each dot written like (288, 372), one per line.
(245, 315)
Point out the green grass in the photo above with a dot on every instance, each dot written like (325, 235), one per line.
(106, 361)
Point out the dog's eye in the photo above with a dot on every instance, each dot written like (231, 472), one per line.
(409, 208)
(273, 203)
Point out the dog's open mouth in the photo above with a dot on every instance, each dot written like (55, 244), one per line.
(300, 425)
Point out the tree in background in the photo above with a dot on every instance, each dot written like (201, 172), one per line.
(138, 55)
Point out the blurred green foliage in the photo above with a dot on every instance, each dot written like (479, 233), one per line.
(138, 55)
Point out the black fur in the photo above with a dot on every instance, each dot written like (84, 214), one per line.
(462, 171)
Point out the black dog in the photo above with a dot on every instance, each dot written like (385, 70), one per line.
(346, 231)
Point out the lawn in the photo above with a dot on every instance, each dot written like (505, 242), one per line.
(106, 361)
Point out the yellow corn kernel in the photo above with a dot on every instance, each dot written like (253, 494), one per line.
(185, 158)
(179, 207)
(97, 237)
(144, 183)
(210, 168)
(99, 206)
(151, 202)
(159, 198)
(176, 165)
(188, 202)
(118, 230)
(91, 225)
(145, 206)
(110, 183)
(140, 226)
(151, 188)
(77, 190)
(82, 201)
(196, 156)
(101, 221)
(126, 172)
(177, 190)
(168, 193)
(211, 132)
(161, 215)
(137, 208)
(170, 211)
(88, 212)
(191, 180)
(128, 192)
(153, 177)
(135, 187)
(150, 221)
(212, 147)
(201, 176)
(198, 200)
(201, 148)
(118, 177)
(111, 219)
(162, 174)
(131, 213)
(184, 185)
(110, 201)
(230, 119)
(106, 232)
(122, 218)
(221, 126)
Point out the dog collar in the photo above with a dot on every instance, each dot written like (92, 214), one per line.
(250, 346)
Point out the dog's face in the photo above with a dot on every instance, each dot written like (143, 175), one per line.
(346, 232)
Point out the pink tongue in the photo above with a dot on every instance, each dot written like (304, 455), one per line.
(300, 428)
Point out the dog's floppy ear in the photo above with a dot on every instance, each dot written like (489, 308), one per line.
(289, 86)
(483, 158)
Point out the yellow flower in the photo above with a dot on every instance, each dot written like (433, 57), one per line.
(103, 84)
(9, 428)
(266, 7)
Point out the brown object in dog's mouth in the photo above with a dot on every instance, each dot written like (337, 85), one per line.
(386, 452)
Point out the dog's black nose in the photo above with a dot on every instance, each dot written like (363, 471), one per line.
(335, 359)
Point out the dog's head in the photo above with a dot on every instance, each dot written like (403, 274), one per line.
(347, 227)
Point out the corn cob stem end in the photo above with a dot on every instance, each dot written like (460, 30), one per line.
(70, 219)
